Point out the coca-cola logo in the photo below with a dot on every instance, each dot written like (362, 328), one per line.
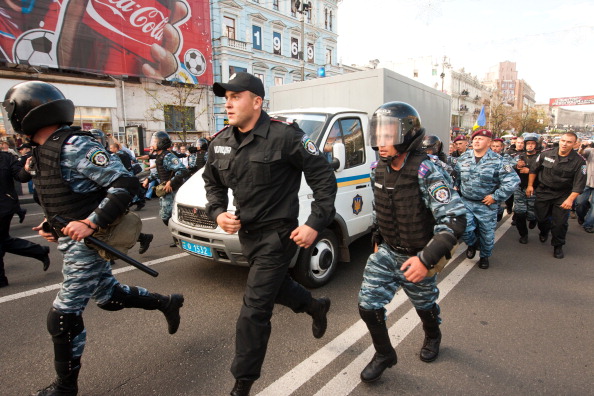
(143, 21)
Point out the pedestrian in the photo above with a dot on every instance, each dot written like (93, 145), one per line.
(524, 206)
(262, 160)
(76, 180)
(417, 220)
(585, 202)
(11, 170)
(484, 179)
(170, 171)
(561, 174)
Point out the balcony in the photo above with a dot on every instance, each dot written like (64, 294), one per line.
(463, 109)
(464, 92)
(240, 45)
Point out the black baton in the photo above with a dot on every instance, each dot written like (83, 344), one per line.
(102, 245)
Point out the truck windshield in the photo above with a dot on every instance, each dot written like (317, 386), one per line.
(311, 123)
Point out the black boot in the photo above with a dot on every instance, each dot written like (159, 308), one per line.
(385, 355)
(521, 225)
(65, 384)
(430, 319)
(169, 305)
(318, 309)
(145, 241)
(241, 388)
(471, 251)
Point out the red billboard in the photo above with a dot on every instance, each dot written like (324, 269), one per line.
(572, 101)
(162, 39)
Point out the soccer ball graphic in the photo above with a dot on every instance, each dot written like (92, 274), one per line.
(195, 62)
(36, 48)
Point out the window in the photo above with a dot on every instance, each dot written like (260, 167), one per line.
(229, 27)
(330, 21)
(278, 81)
(275, 5)
(325, 18)
(354, 142)
(179, 118)
(328, 56)
(415, 73)
(260, 76)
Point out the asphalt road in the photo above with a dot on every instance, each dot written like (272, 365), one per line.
(522, 327)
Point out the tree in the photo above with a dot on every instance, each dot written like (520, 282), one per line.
(179, 106)
(499, 114)
(527, 120)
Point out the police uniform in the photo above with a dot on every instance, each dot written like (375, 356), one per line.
(169, 168)
(492, 175)
(524, 205)
(558, 177)
(264, 171)
(11, 170)
(77, 179)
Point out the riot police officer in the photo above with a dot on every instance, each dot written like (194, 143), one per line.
(77, 180)
(484, 180)
(262, 160)
(561, 175)
(171, 172)
(418, 218)
(198, 156)
(524, 206)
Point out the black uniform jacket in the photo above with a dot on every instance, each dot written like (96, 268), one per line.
(10, 170)
(264, 172)
(561, 175)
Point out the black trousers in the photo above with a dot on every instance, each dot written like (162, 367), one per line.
(17, 246)
(552, 217)
(269, 253)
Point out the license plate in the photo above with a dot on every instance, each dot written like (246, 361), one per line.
(192, 247)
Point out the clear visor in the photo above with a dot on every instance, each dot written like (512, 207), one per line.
(385, 131)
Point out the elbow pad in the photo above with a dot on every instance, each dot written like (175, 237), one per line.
(457, 225)
(439, 246)
(117, 202)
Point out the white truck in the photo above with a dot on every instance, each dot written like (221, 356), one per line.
(340, 133)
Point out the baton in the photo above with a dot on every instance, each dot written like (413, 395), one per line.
(110, 249)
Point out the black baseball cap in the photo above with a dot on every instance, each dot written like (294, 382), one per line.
(240, 82)
(24, 145)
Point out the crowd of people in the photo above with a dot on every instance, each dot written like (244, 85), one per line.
(425, 204)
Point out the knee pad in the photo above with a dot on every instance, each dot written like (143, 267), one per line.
(118, 299)
(63, 327)
(373, 317)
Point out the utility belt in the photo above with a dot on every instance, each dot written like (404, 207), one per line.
(407, 251)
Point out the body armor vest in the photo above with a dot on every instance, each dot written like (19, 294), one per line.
(55, 195)
(403, 219)
(164, 174)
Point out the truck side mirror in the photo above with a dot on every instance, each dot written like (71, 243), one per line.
(339, 157)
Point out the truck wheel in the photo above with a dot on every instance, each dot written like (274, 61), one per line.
(316, 264)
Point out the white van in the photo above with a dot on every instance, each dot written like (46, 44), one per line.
(340, 134)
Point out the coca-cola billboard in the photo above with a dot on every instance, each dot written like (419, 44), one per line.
(162, 39)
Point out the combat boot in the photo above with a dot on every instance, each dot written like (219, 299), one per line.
(385, 355)
(169, 305)
(145, 241)
(522, 227)
(242, 388)
(471, 251)
(66, 383)
(318, 309)
(430, 319)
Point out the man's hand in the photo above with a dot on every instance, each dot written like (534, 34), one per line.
(228, 222)
(168, 187)
(28, 165)
(525, 170)
(488, 200)
(414, 270)
(79, 229)
(48, 236)
(304, 236)
(529, 191)
(567, 204)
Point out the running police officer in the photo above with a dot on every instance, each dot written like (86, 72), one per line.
(418, 218)
(261, 160)
(484, 180)
(171, 172)
(523, 205)
(198, 156)
(561, 176)
(76, 179)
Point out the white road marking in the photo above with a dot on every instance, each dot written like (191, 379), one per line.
(56, 286)
(346, 380)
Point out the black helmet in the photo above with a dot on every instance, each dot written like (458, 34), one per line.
(32, 105)
(99, 136)
(530, 137)
(399, 124)
(433, 143)
(163, 142)
(202, 144)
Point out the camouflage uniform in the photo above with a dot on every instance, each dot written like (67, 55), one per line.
(173, 165)
(492, 175)
(382, 276)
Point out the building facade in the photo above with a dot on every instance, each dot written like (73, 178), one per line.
(515, 92)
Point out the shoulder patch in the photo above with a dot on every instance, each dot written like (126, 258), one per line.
(98, 157)
(584, 169)
(423, 169)
(374, 164)
(507, 168)
(440, 192)
(309, 146)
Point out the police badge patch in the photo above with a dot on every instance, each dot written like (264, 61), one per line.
(98, 157)
(584, 170)
(309, 146)
(507, 168)
(440, 192)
